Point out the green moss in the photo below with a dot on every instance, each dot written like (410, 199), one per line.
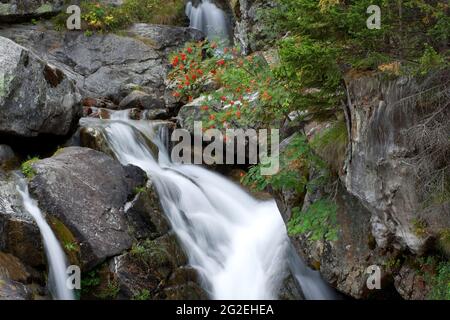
(419, 227)
(138, 190)
(65, 236)
(27, 168)
(319, 220)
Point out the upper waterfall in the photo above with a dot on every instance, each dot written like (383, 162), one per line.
(206, 16)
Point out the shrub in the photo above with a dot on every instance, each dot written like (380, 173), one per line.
(103, 17)
(319, 220)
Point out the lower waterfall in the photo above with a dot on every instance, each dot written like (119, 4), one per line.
(238, 244)
(56, 258)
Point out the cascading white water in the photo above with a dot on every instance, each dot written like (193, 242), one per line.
(206, 16)
(56, 258)
(238, 244)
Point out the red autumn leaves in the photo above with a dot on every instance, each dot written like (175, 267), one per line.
(237, 76)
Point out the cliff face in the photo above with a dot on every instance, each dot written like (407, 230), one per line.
(392, 198)
(398, 154)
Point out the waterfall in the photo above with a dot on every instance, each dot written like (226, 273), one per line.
(238, 244)
(204, 15)
(56, 258)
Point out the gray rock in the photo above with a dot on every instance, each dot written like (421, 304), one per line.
(145, 214)
(86, 191)
(13, 290)
(141, 100)
(109, 65)
(35, 98)
(249, 30)
(7, 157)
(411, 284)
(20, 10)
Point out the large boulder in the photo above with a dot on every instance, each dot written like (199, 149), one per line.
(157, 267)
(84, 193)
(109, 65)
(19, 10)
(35, 98)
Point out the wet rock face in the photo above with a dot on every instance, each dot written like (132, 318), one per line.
(20, 10)
(19, 235)
(86, 191)
(382, 164)
(249, 27)
(343, 263)
(35, 98)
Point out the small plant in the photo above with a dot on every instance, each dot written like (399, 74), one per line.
(319, 220)
(420, 227)
(149, 253)
(27, 168)
(440, 282)
(89, 281)
(143, 295)
(139, 190)
(393, 263)
(109, 292)
(70, 246)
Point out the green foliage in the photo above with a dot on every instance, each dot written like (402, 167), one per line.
(327, 38)
(430, 61)
(110, 291)
(436, 273)
(105, 17)
(295, 162)
(89, 282)
(319, 220)
(27, 168)
(143, 295)
(441, 283)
